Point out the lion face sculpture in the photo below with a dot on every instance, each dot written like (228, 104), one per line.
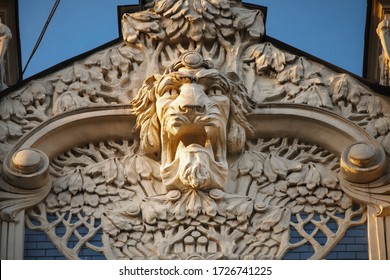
(193, 115)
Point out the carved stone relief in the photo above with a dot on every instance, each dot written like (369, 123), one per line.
(5, 36)
(236, 143)
(383, 32)
(275, 186)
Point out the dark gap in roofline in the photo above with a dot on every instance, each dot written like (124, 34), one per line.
(382, 90)
(366, 43)
(18, 43)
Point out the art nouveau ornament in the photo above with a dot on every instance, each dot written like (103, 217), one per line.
(383, 32)
(196, 113)
(5, 36)
(195, 140)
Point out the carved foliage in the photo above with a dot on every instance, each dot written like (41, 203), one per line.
(197, 20)
(113, 194)
(21, 111)
(288, 78)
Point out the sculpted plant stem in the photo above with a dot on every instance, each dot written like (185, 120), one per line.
(152, 51)
(234, 52)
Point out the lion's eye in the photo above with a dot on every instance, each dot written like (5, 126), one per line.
(170, 92)
(215, 91)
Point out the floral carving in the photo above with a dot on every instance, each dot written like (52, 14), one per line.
(267, 58)
(276, 186)
(196, 20)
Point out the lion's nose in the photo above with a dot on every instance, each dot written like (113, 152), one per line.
(190, 108)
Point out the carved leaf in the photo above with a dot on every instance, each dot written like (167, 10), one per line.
(14, 130)
(194, 205)
(69, 101)
(251, 20)
(118, 61)
(18, 109)
(369, 104)
(114, 222)
(11, 107)
(195, 31)
(296, 178)
(72, 181)
(153, 211)
(64, 198)
(269, 219)
(293, 74)
(95, 73)
(88, 184)
(345, 202)
(146, 22)
(267, 57)
(371, 129)
(315, 95)
(209, 206)
(9, 128)
(245, 163)
(284, 222)
(385, 142)
(321, 192)
(77, 201)
(378, 127)
(312, 178)
(131, 53)
(343, 88)
(138, 167)
(240, 208)
(4, 147)
(60, 87)
(91, 199)
(328, 178)
(6, 109)
(335, 195)
(110, 169)
(382, 126)
(52, 201)
(275, 166)
(3, 131)
(80, 73)
(305, 69)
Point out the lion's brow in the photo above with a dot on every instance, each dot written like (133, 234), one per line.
(175, 79)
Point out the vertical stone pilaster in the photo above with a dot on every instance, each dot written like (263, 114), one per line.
(12, 238)
(378, 235)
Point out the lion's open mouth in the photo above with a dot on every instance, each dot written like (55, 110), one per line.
(193, 136)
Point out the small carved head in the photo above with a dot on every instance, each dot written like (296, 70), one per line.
(193, 115)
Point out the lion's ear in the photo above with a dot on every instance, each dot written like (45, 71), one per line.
(236, 137)
(150, 135)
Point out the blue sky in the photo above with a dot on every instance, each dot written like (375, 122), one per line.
(333, 30)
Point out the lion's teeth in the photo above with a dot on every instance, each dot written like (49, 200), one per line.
(180, 147)
(209, 148)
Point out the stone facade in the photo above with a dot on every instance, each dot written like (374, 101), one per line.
(195, 138)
